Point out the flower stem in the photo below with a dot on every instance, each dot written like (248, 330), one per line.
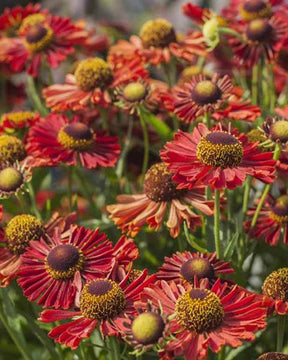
(114, 348)
(255, 72)
(146, 145)
(121, 162)
(228, 31)
(246, 196)
(267, 188)
(272, 88)
(33, 201)
(69, 186)
(35, 97)
(281, 319)
(217, 223)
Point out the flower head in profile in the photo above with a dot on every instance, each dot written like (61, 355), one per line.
(272, 220)
(104, 303)
(13, 178)
(160, 197)
(206, 317)
(15, 120)
(273, 356)
(217, 158)
(54, 271)
(59, 140)
(276, 129)
(12, 149)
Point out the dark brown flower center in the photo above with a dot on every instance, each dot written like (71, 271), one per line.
(197, 266)
(199, 310)
(280, 209)
(254, 5)
(76, 136)
(38, 37)
(273, 356)
(279, 131)
(11, 179)
(206, 92)
(282, 58)
(220, 149)
(102, 299)
(259, 30)
(147, 328)
(158, 184)
(157, 33)
(276, 285)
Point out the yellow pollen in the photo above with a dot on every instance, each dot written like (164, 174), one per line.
(11, 149)
(17, 117)
(147, 328)
(276, 285)
(256, 25)
(157, 33)
(279, 130)
(205, 88)
(253, 9)
(134, 92)
(76, 136)
(38, 37)
(93, 73)
(31, 20)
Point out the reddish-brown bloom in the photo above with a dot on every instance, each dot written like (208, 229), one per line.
(102, 302)
(238, 110)
(60, 140)
(53, 271)
(91, 82)
(43, 38)
(201, 95)
(183, 267)
(273, 356)
(18, 120)
(207, 317)
(196, 13)
(17, 234)
(271, 222)
(217, 158)
(159, 197)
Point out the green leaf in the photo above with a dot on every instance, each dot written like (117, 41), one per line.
(231, 246)
(158, 125)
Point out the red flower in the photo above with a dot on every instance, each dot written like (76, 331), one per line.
(60, 141)
(53, 271)
(160, 196)
(271, 222)
(18, 120)
(238, 110)
(42, 38)
(196, 13)
(17, 234)
(91, 82)
(201, 95)
(207, 317)
(217, 158)
(102, 302)
(183, 267)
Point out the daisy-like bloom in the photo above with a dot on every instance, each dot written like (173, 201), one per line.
(201, 95)
(183, 267)
(13, 178)
(53, 271)
(159, 197)
(17, 234)
(276, 130)
(147, 329)
(91, 83)
(12, 149)
(156, 43)
(207, 317)
(275, 291)
(260, 39)
(102, 302)
(273, 356)
(43, 38)
(60, 140)
(217, 158)
(18, 120)
(238, 110)
(272, 220)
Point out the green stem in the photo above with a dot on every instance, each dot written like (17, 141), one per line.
(217, 223)
(69, 186)
(114, 348)
(207, 119)
(228, 31)
(103, 115)
(246, 196)
(221, 354)
(33, 201)
(121, 162)
(272, 88)
(84, 188)
(255, 72)
(281, 319)
(146, 145)
(267, 188)
(35, 97)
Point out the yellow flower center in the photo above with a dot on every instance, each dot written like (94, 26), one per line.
(38, 37)
(197, 266)
(279, 131)
(93, 73)
(276, 285)
(102, 299)
(280, 209)
(206, 92)
(11, 179)
(20, 230)
(259, 31)
(199, 311)
(76, 136)
(134, 92)
(147, 328)
(157, 33)
(11, 149)
(253, 9)
(17, 117)
(63, 261)
(220, 149)
(31, 20)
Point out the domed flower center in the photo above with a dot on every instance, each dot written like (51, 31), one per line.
(147, 328)
(20, 230)
(199, 310)
(279, 131)
(38, 37)
(31, 20)
(259, 30)
(256, 135)
(206, 92)
(134, 92)
(76, 136)
(158, 184)
(18, 117)
(63, 261)
(158, 33)
(93, 73)
(11, 149)
(273, 356)
(134, 274)
(253, 9)
(199, 267)
(102, 299)
(220, 149)
(276, 285)
(280, 209)
(11, 179)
